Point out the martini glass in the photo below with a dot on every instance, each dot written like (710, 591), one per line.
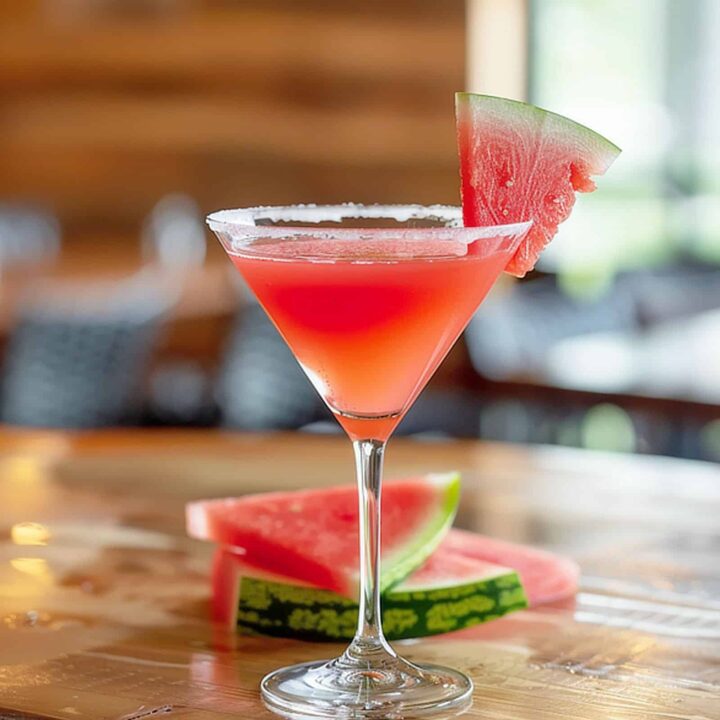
(370, 299)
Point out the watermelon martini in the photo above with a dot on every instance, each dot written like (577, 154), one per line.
(370, 299)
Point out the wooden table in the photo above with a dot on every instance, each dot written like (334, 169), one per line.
(103, 601)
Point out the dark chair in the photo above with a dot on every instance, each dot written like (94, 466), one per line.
(261, 386)
(672, 293)
(78, 355)
(511, 334)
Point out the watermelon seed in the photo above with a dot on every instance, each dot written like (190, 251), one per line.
(509, 183)
(505, 212)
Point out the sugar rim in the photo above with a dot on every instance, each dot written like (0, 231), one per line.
(244, 220)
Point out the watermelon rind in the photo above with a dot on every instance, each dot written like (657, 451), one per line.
(397, 565)
(564, 128)
(281, 609)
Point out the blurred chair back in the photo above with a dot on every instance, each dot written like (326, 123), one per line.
(174, 234)
(670, 293)
(29, 235)
(78, 354)
(511, 334)
(261, 386)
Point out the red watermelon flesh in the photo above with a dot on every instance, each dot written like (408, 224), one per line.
(545, 576)
(312, 535)
(225, 579)
(519, 162)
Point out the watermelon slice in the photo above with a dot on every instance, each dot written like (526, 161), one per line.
(312, 535)
(519, 162)
(545, 576)
(449, 592)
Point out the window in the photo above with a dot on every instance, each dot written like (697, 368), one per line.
(647, 74)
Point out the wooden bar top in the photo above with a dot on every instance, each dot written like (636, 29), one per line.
(104, 601)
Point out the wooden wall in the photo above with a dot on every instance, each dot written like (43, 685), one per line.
(105, 105)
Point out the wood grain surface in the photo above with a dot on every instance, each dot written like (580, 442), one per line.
(103, 601)
(106, 105)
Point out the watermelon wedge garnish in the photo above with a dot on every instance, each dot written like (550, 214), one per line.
(519, 162)
(449, 592)
(312, 535)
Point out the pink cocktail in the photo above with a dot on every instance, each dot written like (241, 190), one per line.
(370, 299)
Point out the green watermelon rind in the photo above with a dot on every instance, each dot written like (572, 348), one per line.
(279, 609)
(404, 560)
(605, 150)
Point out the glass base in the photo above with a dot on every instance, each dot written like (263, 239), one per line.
(390, 690)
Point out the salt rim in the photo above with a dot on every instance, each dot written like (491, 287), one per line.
(334, 213)
(244, 220)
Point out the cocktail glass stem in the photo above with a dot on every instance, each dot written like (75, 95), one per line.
(369, 640)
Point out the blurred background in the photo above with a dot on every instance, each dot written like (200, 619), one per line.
(123, 122)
